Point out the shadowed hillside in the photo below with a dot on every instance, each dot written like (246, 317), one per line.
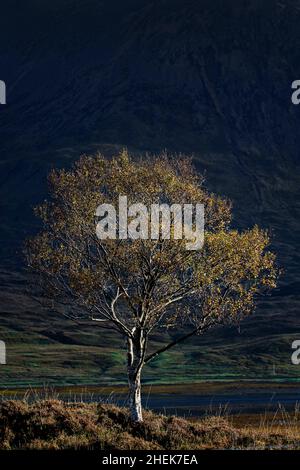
(208, 78)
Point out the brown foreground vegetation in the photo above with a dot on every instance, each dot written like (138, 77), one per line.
(54, 424)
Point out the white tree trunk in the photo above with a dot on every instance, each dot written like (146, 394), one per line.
(135, 402)
(134, 369)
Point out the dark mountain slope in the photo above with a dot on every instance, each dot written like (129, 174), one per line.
(210, 78)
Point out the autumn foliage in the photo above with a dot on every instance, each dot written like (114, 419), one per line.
(136, 287)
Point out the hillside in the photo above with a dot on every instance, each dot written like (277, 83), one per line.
(206, 78)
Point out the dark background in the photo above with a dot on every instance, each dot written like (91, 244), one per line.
(208, 78)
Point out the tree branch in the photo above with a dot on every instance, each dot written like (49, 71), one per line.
(175, 342)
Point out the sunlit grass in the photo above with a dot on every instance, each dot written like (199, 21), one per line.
(44, 422)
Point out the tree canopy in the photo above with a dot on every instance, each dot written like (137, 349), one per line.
(137, 286)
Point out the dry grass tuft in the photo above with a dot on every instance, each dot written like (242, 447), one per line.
(54, 424)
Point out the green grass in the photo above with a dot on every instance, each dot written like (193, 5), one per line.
(45, 348)
(31, 364)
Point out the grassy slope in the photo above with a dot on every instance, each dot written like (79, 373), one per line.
(45, 348)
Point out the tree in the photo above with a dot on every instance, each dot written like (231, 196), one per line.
(136, 287)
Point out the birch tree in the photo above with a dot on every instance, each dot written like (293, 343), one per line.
(139, 287)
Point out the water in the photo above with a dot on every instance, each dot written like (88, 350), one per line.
(197, 405)
(192, 405)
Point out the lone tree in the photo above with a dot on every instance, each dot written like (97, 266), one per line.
(136, 287)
